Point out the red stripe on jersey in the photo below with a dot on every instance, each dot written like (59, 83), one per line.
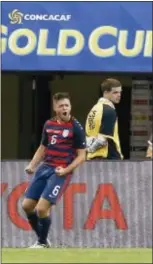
(56, 162)
(62, 124)
(57, 153)
(62, 146)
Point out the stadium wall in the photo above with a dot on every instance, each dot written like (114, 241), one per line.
(107, 204)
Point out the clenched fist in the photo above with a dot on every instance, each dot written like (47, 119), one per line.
(29, 170)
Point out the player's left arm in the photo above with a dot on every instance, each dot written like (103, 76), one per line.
(81, 157)
(80, 146)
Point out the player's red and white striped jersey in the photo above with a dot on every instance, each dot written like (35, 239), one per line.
(61, 141)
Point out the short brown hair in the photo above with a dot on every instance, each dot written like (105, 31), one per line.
(108, 84)
(60, 96)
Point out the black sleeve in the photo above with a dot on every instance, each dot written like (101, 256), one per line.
(79, 136)
(108, 120)
(44, 137)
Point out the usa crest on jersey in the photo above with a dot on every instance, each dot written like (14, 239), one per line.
(65, 133)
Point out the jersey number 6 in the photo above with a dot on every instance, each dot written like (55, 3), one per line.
(56, 190)
(53, 140)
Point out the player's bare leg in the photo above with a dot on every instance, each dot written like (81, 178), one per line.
(29, 205)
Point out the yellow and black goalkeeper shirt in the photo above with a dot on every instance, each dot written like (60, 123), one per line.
(102, 119)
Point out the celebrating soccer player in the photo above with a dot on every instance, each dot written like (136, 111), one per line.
(62, 149)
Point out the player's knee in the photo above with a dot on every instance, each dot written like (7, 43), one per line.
(41, 211)
(27, 207)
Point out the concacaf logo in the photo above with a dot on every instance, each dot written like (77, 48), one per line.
(16, 17)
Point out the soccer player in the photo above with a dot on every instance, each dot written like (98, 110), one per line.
(102, 124)
(62, 149)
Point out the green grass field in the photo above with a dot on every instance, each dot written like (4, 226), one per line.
(75, 255)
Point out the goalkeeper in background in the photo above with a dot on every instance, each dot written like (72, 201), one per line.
(102, 125)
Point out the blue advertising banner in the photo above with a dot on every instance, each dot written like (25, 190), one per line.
(77, 36)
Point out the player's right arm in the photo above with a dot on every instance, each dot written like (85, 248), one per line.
(39, 154)
(37, 158)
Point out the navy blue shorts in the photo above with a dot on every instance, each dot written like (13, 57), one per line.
(47, 184)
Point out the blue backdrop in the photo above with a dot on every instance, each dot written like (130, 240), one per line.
(77, 36)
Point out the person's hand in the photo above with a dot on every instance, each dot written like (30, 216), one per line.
(29, 169)
(60, 171)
